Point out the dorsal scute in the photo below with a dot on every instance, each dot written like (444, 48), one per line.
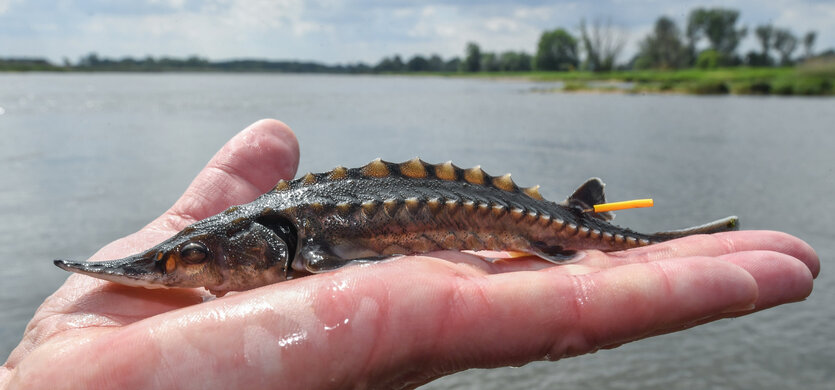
(338, 173)
(414, 168)
(419, 169)
(533, 192)
(377, 168)
(282, 185)
(504, 183)
(308, 179)
(446, 171)
(475, 175)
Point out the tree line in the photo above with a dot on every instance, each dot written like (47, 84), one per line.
(710, 39)
(715, 30)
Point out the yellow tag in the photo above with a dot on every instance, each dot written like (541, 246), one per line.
(629, 204)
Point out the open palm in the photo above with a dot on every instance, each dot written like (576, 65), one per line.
(391, 324)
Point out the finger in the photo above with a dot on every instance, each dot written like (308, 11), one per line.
(780, 279)
(714, 245)
(249, 165)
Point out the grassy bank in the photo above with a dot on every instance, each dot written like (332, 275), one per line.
(816, 78)
(807, 80)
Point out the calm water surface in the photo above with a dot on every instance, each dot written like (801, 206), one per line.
(90, 158)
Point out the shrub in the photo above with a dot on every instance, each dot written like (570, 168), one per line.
(783, 86)
(755, 87)
(572, 86)
(708, 87)
(812, 86)
(708, 59)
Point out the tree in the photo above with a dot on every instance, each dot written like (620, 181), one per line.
(89, 60)
(453, 65)
(436, 63)
(602, 45)
(511, 61)
(417, 64)
(663, 48)
(718, 25)
(489, 62)
(557, 50)
(472, 58)
(394, 64)
(808, 43)
(785, 42)
(765, 34)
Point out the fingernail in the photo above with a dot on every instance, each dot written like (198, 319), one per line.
(737, 309)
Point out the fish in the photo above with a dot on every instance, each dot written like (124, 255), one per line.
(324, 221)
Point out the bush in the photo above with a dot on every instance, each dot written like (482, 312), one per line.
(708, 87)
(783, 86)
(572, 86)
(812, 86)
(708, 59)
(756, 87)
(666, 86)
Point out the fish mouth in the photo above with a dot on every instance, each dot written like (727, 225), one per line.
(139, 270)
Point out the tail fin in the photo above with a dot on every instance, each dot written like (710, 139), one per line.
(722, 225)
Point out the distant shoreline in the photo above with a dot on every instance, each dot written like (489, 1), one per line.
(803, 80)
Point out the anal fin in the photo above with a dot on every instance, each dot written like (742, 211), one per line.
(553, 253)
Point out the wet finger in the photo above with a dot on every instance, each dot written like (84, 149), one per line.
(713, 245)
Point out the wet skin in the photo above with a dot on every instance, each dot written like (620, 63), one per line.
(402, 322)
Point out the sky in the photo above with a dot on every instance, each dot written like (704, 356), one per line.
(349, 31)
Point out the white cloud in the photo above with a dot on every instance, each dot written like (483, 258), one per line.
(5, 5)
(176, 4)
(340, 31)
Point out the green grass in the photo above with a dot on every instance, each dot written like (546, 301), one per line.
(816, 79)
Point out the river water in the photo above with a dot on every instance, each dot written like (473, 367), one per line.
(89, 158)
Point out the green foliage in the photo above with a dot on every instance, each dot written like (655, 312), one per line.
(708, 59)
(393, 64)
(26, 64)
(602, 44)
(510, 61)
(418, 64)
(809, 43)
(472, 60)
(708, 87)
(663, 48)
(557, 50)
(785, 42)
(823, 67)
(753, 87)
(572, 86)
(764, 34)
(810, 86)
(489, 62)
(718, 26)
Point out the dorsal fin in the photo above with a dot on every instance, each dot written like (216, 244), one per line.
(588, 195)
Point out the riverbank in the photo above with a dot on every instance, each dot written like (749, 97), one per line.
(804, 80)
(816, 78)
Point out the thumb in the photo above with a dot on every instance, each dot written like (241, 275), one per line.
(247, 166)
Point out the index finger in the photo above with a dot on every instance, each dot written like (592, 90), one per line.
(717, 244)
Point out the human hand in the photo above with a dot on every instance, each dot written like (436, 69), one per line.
(391, 324)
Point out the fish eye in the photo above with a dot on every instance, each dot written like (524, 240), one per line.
(194, 253)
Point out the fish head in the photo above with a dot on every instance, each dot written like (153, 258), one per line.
(219, 253)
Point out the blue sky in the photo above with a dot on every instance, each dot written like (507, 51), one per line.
(334, 31)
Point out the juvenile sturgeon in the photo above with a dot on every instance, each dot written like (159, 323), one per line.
(320, 222)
